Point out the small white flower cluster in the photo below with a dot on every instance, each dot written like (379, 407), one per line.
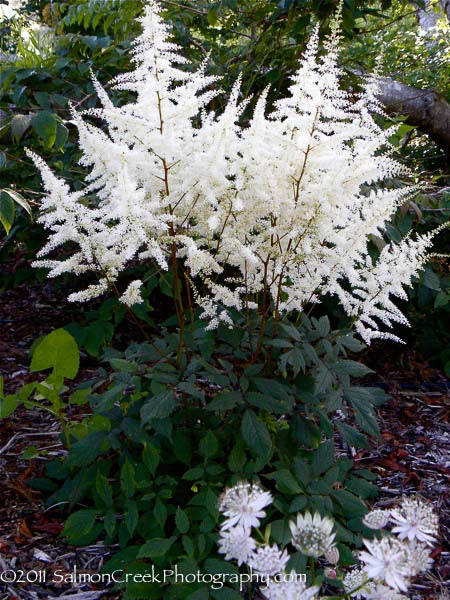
(389, 562)
(392, 560)
(288, 204)
(243, 506)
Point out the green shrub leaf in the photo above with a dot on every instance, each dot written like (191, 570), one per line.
(58, 351)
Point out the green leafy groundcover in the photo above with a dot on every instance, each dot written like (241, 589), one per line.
(146, 467)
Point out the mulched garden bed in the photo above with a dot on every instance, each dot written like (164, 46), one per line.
(412, 455)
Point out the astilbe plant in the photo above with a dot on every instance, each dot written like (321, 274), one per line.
(270, 216)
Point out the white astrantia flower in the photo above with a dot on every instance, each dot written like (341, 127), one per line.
(268, 560)
(386, 561)
(290, 587)
(237, 544)
(243, 504)
(377, 518)
(356, 583)
(419, 559)
(414, 519)
(312, 535)
(132, 294)
(288, 203)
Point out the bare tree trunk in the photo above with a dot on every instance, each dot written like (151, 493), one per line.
(425, 109)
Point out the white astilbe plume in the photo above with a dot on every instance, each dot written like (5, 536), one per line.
(283, 208)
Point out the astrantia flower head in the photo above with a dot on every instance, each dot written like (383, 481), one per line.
(243, 504)
(237, 544)
(414, 519)
(312, 535)
(377, 518)
(419, 559)
(290, 588)
(268, 560)
(386, 561)
(356, 583)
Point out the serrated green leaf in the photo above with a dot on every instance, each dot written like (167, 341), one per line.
(285, 481)
(150, 458)
(79, 523)
(131, 516)
(323, 458)
(256, 435)
(352, 436)
(224, 401)
(127, 479)
(159, 406)
(156, 547)
(181, 520)
(104, 489)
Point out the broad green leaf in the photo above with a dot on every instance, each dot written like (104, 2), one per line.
(104, 489)
(156, 547)
(160, 512)
(120, 364)
(86, 450)
(159, 406)
(127, 479)
(352, 368)
(131, 516)
(109, 522)
(285, 482)
(18, 199)
(224, 401)
(181, 520)
(209, 445)
(19, 125)
(323, 458)
(62, 133)
(212, 17)
(352, 436)
(256, 435)
(8, 405)
(268, 403)
(44, 124)
(351, 504)
(79, 523)
(237, 458)
(58, 351)
(150, 457)
(7, 211)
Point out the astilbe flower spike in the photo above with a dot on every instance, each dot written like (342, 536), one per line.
(287, 204)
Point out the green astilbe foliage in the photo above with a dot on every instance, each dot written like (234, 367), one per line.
(146, 466)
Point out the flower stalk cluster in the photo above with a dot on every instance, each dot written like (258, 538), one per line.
(270, 216)
(387, 566)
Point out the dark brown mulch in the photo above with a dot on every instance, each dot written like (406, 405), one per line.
(411, 457)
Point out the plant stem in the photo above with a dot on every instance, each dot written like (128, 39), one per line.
(312, 566)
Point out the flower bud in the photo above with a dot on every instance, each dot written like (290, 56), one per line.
(332, 555)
